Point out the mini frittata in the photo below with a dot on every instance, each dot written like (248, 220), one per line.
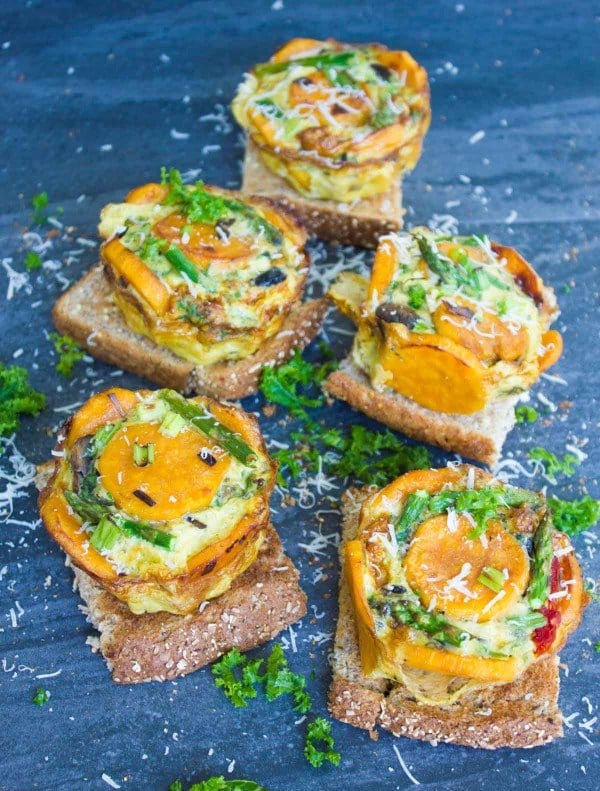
(450, 322)
(336, 121)
(200, 270)
(163, 501)
(459, 581)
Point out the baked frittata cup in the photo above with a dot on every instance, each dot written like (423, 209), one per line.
(450, 322)
(336, 121)
(202, 271)
(459, 581)
(163, 501)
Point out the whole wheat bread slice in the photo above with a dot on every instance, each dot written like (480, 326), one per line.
(87, 314)
(360, 223)
(261, 602)
(479, 436)
(523, 713)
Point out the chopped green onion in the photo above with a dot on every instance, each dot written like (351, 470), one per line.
(105, 535)
(206, 423)
(143, 454)
(416, 296)
(492, 578)
(172, 425)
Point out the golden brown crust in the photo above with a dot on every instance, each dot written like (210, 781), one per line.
(521, 714)
(261, 602)
(478, 436)
(87, 314)
(360, 224)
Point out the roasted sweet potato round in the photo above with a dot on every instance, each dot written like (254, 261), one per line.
(453, 572)
(163, 501)
(205, 272)
(336, 121)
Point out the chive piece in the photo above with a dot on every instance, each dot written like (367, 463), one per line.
(105, 535)
(318, 61)
(539, 583)
(416, 503)
(269, 107)
(492, 578)
(184, 266)
(143, 454)
(204, 422)
(172, 424)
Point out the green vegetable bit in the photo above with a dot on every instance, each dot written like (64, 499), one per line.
(143, 454)
(320, 731)
(539, 582)
(208, 425)
(527, 622)
(492, 578)
(281, 385)
(554, 466)
(32, 261)
(572, 517)
(106, 535)
(219, 784)
(200, 205)
(321, 61)
(237, 676)
(41, 697)
(460, 274)
(40, 204)
(417, 296)
(184, 266)
(406, 611)
(416, 503)
(280, 680)
(385, 116)
(17, 398)
(526, 414)
(69, 353)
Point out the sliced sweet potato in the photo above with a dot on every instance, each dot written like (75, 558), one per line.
(444, 565)
(382, 273)
(435, 377)
(148, 193)
(489, 338)
(106, 407)
(203, 242)
(439, 661)
(130, 267)
(141, 490)
(296, 47)
(553, 346)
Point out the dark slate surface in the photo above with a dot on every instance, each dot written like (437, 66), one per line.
(91, 94)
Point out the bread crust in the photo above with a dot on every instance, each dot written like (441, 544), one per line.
(87, 314)
(360, 223)
(478, 436)
(523, 713)
(261, 602)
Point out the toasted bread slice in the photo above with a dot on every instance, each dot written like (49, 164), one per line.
(479, 436)
(261, 602)
(523, 713)
(360, 223)
(87, 314)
